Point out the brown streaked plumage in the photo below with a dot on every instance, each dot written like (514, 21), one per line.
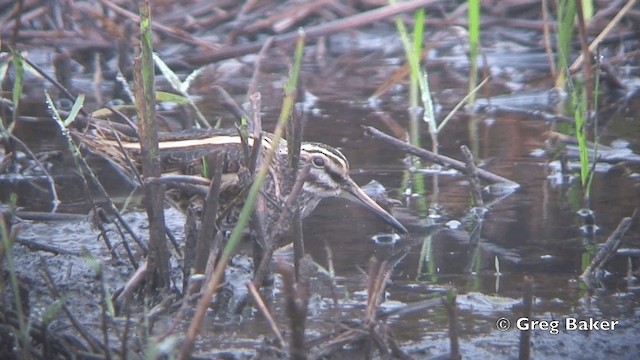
(328, 174)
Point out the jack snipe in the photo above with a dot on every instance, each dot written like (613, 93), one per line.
(183, 152)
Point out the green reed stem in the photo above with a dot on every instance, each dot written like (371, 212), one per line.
(474, 40)
(418, 85)
(413, 50)
(582, 95)
(566, 19)
(6, 250)
(245, 213)
(587, 9)
(418, 75)
(18, 68)
(596, 91)
(579, 101)
(285, 113)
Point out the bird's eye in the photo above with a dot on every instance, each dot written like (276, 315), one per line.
(318, 162)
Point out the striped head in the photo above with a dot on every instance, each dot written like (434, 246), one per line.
(328, 169)
(329, 177)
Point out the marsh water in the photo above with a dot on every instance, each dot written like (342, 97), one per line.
(535, 231)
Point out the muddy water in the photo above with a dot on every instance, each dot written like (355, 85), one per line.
(534, 231)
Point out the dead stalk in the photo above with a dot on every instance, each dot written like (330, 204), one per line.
(296, 301)
(257, 300)
(208, 228)
(452, 311)
(527, 302)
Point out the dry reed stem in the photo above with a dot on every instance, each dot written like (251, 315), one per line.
(259, 302)
(527, 302)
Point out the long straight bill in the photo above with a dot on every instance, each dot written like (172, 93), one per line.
(353, 192)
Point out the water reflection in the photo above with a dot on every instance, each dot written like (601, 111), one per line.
(533, 231)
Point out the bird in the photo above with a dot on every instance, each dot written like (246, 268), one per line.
(188, 152)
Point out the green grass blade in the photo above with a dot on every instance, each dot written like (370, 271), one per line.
(461, 103)
(245, 213)
(474, 40)
(581, 134)
(7, 249)
(181, 88)
(285, 113)
(164, 96)
(75, 109)
(171, 76)
(418, 34)
(52, 106)
(18, 67)
(587, 9)
(566, 20)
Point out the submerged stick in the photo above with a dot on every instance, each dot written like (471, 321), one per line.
(472, 174)
(47, 216)
(609, 248)
(41, 246)
(534, 114)
(433, 157)
(409, 309)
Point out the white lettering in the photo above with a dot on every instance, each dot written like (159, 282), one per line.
(590, 324)
(570, 324)
(525, 324)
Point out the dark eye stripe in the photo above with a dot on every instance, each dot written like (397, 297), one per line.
(332, 154)
(335, 175)
(336, 179)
